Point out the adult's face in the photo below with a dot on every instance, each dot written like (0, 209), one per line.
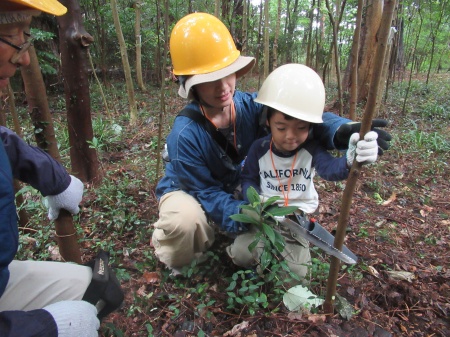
(14, 33)
(217, 94)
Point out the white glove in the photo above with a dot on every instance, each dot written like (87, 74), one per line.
(74, 318)
(69, 199)
(366, 150)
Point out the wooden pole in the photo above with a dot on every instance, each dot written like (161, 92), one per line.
(371, 107)
(66, 235)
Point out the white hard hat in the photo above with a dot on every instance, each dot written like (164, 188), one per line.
(295, 90)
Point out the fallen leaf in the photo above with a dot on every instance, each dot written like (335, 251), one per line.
(392, 198)
(236, 329)
(299, 297)
(54, 253)
(295, 316)
(373, 271)
(401, 275)
(151, 277)
(318, 319)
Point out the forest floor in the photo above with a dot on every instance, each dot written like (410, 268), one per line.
(399, 228)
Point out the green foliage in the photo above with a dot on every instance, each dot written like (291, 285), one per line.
(47, 61)
(247, 286)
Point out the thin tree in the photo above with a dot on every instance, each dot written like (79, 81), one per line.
(266, 38)
(335, 25)
(162, 110)
(371, 109)
(354, 63)
(275, 37)
(435, 27)
(125, 63)
(137, 33)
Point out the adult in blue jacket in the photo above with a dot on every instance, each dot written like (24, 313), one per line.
(37, 298)
(202, 176)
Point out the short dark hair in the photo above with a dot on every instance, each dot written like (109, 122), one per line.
(271, 111)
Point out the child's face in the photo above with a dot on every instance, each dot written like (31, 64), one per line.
(287, 135)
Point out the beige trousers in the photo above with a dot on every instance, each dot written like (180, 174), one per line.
(296, 252)
(182, 231)
(35, 284)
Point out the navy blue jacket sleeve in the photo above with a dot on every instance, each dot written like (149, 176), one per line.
(27, 324)
(250, 172)
(33, 166)
(326, 131)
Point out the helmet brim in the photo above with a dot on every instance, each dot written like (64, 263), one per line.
(48, 6)
(241, 66)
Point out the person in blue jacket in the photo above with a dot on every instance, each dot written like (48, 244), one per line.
(209, 140)
(283, 164)
(37, 298)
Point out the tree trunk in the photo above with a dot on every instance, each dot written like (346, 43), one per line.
(125, 64)
(266, 39)
(370, 111)
(137, 32)
(275, 38)
(73, 41)
(354, 63)
(369, 43)
(46, 140)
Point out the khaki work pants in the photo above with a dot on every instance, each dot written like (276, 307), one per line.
(182, 232)
(35, 284)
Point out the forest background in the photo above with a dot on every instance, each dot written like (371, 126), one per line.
(102, 98)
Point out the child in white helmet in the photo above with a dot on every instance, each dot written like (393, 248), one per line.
(284, 163)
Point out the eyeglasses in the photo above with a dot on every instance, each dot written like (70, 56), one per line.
(22, 49)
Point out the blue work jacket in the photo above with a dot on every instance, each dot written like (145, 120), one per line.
(200, 167)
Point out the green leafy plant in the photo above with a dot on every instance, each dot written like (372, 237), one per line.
(247, 286)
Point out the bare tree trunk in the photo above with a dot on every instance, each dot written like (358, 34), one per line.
(46, 140)
(73, 41)
(309, 45)
(38, 106)
(369, 44)
(125, 64)
(162, 93)
(334, 24)
(137, 33)
(275, 39)
(266, 38)
(245, 27)
(354, 63)
(216, 8)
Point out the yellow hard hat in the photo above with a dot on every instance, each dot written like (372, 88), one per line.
(202, 49)
(48, 6)
(295, 90)
(200, 43)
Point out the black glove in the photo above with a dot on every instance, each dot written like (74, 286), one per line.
(344, 132)
(104, 291)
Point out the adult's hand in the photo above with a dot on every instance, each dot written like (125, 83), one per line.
(69, 199)
(345, 131)
(365, 150)
(74, 318)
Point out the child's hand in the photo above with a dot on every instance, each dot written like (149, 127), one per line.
(366, 150)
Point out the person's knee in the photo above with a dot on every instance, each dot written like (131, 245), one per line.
(240, 253)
